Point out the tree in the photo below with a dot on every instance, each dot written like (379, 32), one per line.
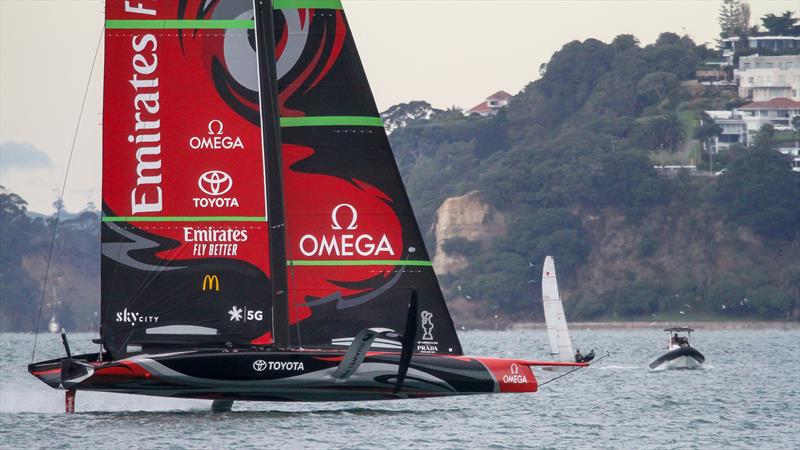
(655, 86)
(663, 132)
(783, 25)
(707, 131)
(760, 191)
(730, 18)
(771, 302)
(624, 42)
(765, 138)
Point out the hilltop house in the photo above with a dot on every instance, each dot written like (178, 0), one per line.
(732, 45)
(492, 104)
(768, 77)
(740, 125)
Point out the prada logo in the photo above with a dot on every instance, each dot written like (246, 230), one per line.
(211, 283)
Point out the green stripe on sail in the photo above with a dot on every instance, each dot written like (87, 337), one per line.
(367, 262)
(184, 219)
(331, 121)
(316, 4)
(179, 24)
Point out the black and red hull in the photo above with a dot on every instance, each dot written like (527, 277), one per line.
(287, 376)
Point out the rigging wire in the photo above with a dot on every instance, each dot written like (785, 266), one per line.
(608, 354)
(63, 189)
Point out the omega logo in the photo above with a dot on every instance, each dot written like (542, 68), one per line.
(335, 217)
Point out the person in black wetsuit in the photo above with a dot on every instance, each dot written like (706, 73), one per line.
(589, 356)
(578, 356)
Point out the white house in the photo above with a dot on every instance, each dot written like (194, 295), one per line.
(734, 130)
(777, 112)
(767, 77)
(740, 125)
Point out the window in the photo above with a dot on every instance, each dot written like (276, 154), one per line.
(750, 80)
(746, 66)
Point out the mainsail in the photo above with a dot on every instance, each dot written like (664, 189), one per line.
(557, 332)
(194, 194)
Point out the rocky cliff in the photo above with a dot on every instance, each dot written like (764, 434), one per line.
(468, 217)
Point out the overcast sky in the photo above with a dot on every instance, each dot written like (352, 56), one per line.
(448, 52)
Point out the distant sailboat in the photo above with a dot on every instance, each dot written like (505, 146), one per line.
(557, 331)
(53, 325)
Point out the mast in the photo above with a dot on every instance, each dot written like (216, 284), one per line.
(271, 141)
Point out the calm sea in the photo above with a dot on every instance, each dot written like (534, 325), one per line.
(748, 397)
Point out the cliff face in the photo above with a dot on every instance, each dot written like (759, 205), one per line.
(468, 217)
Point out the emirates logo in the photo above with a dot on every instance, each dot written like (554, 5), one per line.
(215, 182)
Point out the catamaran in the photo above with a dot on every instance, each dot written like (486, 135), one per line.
(257, 240)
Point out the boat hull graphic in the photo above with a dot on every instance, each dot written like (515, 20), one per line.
(287, 376)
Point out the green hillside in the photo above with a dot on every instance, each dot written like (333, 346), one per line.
(570, 164)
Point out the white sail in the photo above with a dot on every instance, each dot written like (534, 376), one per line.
(557, 331)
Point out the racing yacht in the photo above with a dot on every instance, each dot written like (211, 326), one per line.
(257, 240)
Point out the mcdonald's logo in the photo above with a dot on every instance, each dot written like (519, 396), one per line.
(211, 283)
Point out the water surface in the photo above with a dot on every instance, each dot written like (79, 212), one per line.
(749, 397)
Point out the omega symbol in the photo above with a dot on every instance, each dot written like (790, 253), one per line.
(335, 217)
(219, 127)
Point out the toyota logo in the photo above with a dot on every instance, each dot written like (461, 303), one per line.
(259, 365)
(215, 182)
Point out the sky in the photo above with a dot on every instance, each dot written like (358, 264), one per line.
(448, 52)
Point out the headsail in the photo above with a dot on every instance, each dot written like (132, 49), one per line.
(557, 332)
(354, 248)
(185, 235)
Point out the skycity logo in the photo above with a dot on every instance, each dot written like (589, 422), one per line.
(215, 140)
(344, 217)
(215, 183)
(134, 317)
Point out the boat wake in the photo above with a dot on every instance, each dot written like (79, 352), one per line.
(619, 367)
(45, 402)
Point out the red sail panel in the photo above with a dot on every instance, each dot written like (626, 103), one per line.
(185, 235)
(354, 249)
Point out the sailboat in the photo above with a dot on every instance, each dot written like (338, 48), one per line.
(257, 240)
(556, 320)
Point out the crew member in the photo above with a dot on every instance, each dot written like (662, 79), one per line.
(578, 356)
(589, 356)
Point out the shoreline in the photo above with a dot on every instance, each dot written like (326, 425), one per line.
(700, 325)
